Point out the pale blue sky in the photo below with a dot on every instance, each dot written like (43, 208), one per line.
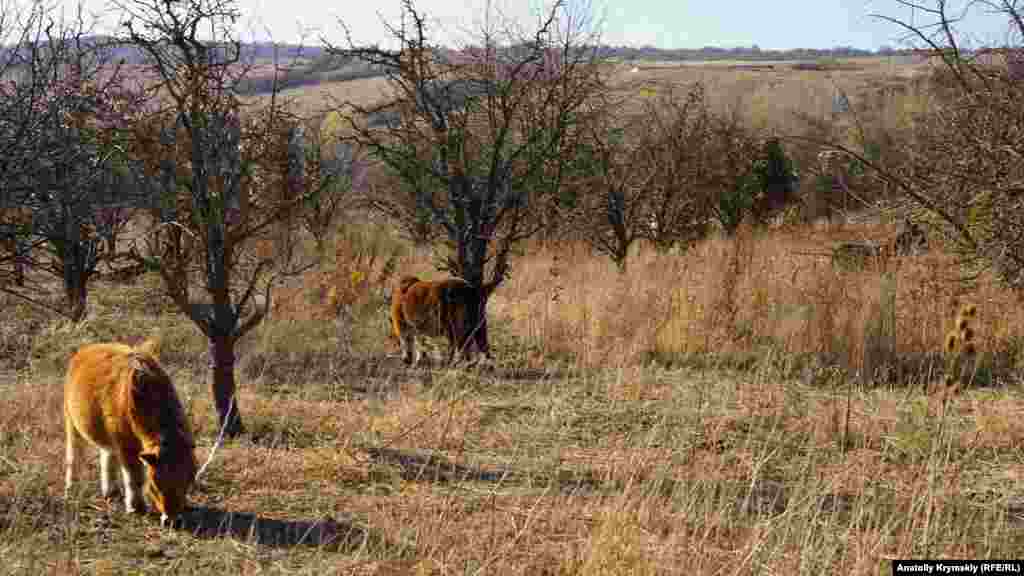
(777, 24)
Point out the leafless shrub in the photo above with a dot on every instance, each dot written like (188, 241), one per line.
(64, 195)
(963, 167)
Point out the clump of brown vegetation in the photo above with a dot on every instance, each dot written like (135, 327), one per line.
(364, 263)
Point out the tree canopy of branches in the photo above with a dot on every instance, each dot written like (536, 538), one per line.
(229, 183)
(64, 194)
(676, 152)
(610, 199)
(964, 165)
(701, 167)
(667, 171)
(480, 137)
(332, 169)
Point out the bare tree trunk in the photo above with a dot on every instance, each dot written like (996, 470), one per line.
(74, 262)
(214, 212)
(472, 255)
(476, 322)
(75, 293)
(292, 189)
(20, 255)
(222, 365)
(622, 242)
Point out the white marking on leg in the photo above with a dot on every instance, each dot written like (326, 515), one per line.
(409, 341)
(132, 496)
(70, 461)
(106, 472)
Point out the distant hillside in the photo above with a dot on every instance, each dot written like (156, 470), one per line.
(752, 53)
(268, 50)
(312, 65)
(258, 51)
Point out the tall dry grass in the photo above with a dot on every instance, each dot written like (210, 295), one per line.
(773, 294)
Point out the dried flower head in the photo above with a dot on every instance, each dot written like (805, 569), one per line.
(951, 342)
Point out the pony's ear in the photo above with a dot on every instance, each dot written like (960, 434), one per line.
(151, 347)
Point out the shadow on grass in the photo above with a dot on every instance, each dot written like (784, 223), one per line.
(98, 520)
(386, 375)
(526, 374)
(393, 364)
(327, 533)
(383, 375)
(763, 498)
(431, 468)
(419, 467)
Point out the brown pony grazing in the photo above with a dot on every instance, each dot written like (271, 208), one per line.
(119, 399)
(437, 308)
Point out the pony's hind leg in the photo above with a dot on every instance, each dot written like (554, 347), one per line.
(73, 452)
(410, 354)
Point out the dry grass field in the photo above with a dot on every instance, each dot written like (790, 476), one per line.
(766, 94)
(709, 413)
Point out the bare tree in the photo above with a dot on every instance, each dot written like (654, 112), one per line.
(481, 136)
(964, 167)
(611, 192)
(675, 151)
(664, 173)
(63, 192)
(332, 168)
(230, 183)
(731, 155)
